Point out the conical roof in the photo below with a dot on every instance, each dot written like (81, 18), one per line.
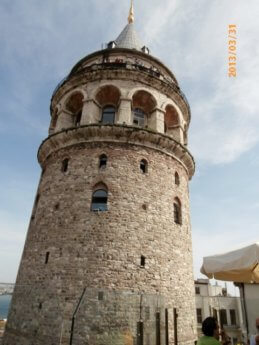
(128, 38)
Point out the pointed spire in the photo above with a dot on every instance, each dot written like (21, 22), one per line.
(131, 13)
(128, 38)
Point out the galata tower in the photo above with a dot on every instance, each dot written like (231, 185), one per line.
(108, 254)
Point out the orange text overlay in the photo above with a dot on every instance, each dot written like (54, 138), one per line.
(232, 50)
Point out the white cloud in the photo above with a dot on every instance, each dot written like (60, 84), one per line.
(192, 39)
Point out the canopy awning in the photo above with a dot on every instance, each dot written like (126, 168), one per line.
(241, 265)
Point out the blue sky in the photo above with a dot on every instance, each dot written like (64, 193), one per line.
(41, 41)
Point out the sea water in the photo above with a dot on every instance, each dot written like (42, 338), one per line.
(4, 305)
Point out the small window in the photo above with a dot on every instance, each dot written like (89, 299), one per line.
(197, 290)
(177, 211)
(199, 315)
(78, 117)
(100, 296)
(46, 258)
(223, 317)
(143, 166)
(99, 200)
(102, 161)
(56, 206)
(215, 314)
(140, 333)
(139, 117)
(142, 261)
(233, 317)
(166, 327)
(108, 115)
(158, 329)
(64, 166)
(176, 178)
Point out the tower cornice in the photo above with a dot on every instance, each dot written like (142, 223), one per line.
(107, 52)
(117, 134)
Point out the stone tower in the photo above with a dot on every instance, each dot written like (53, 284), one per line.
(108, 255)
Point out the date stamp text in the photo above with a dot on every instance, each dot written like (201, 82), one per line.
(232, 50)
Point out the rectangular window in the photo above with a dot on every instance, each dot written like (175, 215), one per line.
(223, 317)
(140, 333)
(139, 117)
(233, 317)
(158, 336)
(199, 315)
(166, 328)
(215, 314)
(197, 290)
(46, 258)
(142, 261)
(175, 327)
(100, 296)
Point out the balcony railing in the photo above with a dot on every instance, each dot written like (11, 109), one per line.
(116, 65)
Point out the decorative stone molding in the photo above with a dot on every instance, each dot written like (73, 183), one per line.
(117, 134)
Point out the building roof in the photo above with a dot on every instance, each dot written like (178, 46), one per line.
(128, 38)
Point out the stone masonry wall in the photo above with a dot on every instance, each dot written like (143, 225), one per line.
(101, 251)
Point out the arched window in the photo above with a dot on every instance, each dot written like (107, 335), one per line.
(64, 165)
(102, 161)
(176, 178)
(139, 117)
(171, 120)
(165, 127)
(143, 166)
(78, 117)
(108, 114)
(99, 200)
(75, 106)
(177, 211)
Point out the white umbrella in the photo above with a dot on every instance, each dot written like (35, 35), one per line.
(241, 265)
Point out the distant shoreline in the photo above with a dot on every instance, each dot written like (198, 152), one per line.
(5, 293)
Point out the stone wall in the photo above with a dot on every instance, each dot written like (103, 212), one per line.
(102, 250)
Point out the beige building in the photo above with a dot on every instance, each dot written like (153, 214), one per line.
(250, 305)
(214, 300)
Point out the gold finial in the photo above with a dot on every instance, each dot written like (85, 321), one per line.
(131, 13)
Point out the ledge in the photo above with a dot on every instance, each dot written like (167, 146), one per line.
(120, 134)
